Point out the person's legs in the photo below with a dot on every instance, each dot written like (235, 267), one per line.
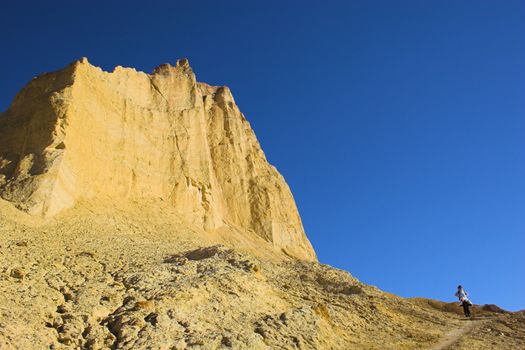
(466, 309)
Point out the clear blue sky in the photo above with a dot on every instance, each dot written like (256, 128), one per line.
(399, 125)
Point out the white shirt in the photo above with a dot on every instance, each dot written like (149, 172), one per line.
(461, 294)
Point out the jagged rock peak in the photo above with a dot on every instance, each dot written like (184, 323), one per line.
(183, 65)
(82, 133)
(82, 60)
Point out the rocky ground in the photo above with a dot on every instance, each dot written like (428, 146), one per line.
(133, 276)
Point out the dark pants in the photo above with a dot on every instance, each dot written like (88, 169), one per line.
(466, 308)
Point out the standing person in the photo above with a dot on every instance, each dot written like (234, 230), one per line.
(463, 300)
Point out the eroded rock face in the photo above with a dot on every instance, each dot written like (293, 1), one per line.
(83, 133)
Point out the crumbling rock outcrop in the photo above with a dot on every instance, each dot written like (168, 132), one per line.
(82, 133)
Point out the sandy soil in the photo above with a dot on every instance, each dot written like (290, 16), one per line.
(133, 276)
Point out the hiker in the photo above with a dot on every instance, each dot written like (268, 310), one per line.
(463, 300)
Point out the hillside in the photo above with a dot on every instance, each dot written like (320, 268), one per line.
(132, 275)
(139, 212)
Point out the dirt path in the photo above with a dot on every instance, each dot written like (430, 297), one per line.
(453, 336)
